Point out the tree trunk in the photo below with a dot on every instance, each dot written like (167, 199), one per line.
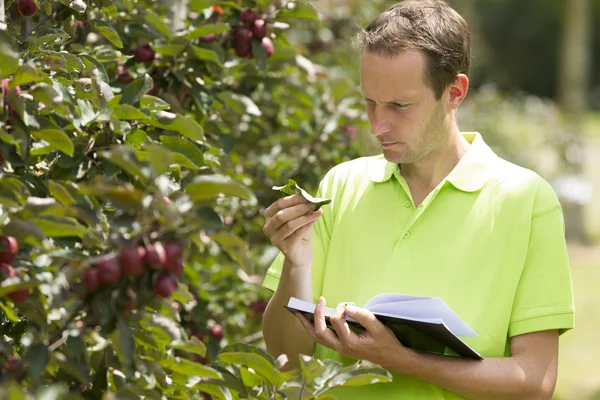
(177, 13)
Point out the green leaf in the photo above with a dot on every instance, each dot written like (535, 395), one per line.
(107, 30)
(91, 63)
(128, 112)
(157, 22)
(189, 368)
(56, 391)
(193, 345)
(9, 57)
(178, 123)
(50, 36)
(125, 158)
(46, 94)
(301, 10)
(239, 103)
(259, 364)
(311, 367)
(36, 359)
(122, 339)
(10, 313)
(182, 294)
(136, 89)
(207, 30)
(291, 188)
(125, 197)
(206, 54)
(76, 370)
(13, 192)
(235, 247)
(204, 187)
(28, 73)
(57, 139)
(64, 227)
(169, 50)
(153, 103)
(185, 153)
(360, 377)
(22, 230)
(249, 377)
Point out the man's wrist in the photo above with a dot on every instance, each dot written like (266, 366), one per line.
(405, 361)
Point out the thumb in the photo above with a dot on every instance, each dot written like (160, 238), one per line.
(364, 317)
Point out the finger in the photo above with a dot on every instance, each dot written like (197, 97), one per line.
(364, 317)
(289, 228)
(286, 215)
(283, 203)
(324, 335)
(308, 326)
(341, 325)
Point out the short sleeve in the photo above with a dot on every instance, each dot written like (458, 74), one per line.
(320, 243)
(544, 297)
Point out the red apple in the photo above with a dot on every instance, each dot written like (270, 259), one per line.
(156, 257)
(174, 262)
(267, 44)
(165, 285)
(6, 271)
(198, 334)
(91, 280)
(154, 90)
(8, 249)
(259, 307)
(27, 7)
(132, 260)
(243, 35)
(208, 38)
(144, 53)
(19, 296)
(109, 271)
(259, 28)
(216, 331)
(243, 49)
(248, 16)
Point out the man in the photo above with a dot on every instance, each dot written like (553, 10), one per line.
(437, 214)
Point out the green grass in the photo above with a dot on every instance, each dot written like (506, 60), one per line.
(579, 362)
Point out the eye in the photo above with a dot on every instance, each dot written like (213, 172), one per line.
(399, 106)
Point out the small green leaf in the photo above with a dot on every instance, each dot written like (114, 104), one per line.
(76, 370)
(122, 339)
(22, 230)
(260, 365)
(10, 313)
(13, 192)
(64, 227)
(189, 368)
(291, 188)
(301, 10)
(91, 63)
(204, 187)
(54, 392)
(235, 247)
(57, 139)
(250, 378)
(206, 55)
(125, 197)
(157, 22)
(60, 193)
(185, 153)
(182, 294)
(177, 123)
(50, 36)
(207, 30)
(360, 377)
(28, 73)
(193, 345)
(124, 157)
(169, 50)
(36, 359)
(128, 112)
(153, 103)
(107, 30)
(136, 89)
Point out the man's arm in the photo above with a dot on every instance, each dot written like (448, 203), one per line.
(529, 373)
(282, 332)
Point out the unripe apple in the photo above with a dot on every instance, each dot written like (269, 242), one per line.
(27, 7)
(165, 284)
(91, 280)
(259, 29)
(109, 271)
(174, 262)
(8, 249)
(267, 44)
(216, 331)
(248, 16)
(132, 260)
(156, 256)
(144, 53)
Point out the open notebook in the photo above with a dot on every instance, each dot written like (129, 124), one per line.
(421, 323)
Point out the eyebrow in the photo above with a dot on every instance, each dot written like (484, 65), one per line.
(387, 102)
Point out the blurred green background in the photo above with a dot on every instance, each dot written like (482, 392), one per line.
(535, 97)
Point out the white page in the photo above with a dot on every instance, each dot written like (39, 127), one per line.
(391, 298)
(428, 308)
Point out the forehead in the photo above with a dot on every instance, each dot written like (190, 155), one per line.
(383, 77)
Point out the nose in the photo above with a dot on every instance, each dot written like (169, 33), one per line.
(380, 124)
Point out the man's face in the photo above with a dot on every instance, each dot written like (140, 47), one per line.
(404, 115)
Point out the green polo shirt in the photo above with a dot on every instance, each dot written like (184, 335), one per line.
(488, 240)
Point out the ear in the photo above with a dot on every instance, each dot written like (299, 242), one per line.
(457, 91)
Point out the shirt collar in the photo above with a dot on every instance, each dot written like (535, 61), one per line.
(469, 175)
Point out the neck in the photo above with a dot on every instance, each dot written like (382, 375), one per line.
(428, 172)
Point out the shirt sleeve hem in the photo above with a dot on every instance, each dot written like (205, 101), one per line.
(561, 321)
(270, 282)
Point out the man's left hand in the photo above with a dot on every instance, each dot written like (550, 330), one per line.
(376, 343)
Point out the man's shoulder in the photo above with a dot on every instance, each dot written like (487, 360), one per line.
(509, 180)
(358, 168)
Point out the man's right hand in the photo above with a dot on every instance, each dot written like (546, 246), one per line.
(288, 225)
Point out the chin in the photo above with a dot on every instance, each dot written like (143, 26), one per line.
(398, 157)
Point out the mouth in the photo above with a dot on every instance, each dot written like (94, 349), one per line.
(389, 144)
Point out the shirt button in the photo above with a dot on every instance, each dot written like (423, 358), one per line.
(407, 203)
(406, 234)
